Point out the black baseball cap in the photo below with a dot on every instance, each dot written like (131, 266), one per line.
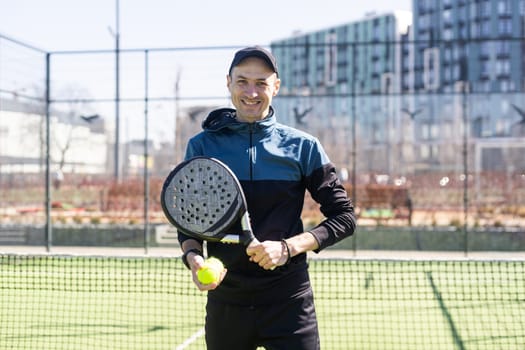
(254, 51)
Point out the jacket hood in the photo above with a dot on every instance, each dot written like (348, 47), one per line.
(225, 118)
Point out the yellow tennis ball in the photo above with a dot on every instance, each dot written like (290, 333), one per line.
(211, 271)
(212, 261)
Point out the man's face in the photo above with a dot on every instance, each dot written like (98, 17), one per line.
(252, 86)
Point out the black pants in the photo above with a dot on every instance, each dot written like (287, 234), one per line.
(281, 326)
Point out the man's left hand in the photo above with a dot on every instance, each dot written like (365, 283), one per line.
(268, 254)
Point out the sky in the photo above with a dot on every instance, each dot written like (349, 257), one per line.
(73, 25)
(56, 25)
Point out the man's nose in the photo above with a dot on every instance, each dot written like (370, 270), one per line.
(251, 90)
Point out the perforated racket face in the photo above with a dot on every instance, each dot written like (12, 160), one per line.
(203, 198)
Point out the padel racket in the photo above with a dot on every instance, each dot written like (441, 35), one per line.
(203, 198)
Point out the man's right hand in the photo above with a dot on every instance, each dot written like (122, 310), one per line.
(196, 262)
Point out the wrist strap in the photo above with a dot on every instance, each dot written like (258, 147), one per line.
(289, 257)
(185, 256)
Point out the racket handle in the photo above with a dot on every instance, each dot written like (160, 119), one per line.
(248, 238)
(247, 233)
(234, 239)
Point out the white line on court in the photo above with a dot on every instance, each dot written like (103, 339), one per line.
(191, 339)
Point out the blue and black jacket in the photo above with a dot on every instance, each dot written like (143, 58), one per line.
(275, 165)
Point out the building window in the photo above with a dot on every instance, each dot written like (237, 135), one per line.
(484, 48)
(377, 67)
(462, 13)
(485, 8)
(485, 28)
(463, 32)
(429, 131)
(377, 49)
(504, 7)
(376, 31)
(485, 67)
(423, 22)
(425, 5)
(425, 152)
(447, 130)
(447, 16)
(331, 59)
(448, 73)
(447, 54)
(447, 34)
(473, 8)
(455, 72)
(503, 48)
(502, 67)
(505, 26)
(504, 85)
(475, 29)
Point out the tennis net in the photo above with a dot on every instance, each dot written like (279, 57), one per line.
(97, 302)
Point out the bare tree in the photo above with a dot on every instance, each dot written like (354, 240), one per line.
(75, 109)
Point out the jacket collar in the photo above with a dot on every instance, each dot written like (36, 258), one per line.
(225, 118)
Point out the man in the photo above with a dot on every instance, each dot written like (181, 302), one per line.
(264, 297)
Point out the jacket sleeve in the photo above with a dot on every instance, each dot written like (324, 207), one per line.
(327, 190)
(192, 149)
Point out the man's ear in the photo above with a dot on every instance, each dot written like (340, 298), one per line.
(228, 81)
(277, 86)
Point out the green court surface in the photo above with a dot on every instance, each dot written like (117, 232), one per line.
(79, 302)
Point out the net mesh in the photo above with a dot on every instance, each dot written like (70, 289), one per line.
(80, 302)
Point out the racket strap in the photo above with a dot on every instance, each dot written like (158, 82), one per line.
(185, 256)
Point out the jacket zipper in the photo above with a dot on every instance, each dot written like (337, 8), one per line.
(251, 156)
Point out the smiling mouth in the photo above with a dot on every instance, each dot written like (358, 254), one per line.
(250, 103)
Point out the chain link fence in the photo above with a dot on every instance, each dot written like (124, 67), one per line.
(87, 137)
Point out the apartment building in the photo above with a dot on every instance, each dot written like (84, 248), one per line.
(350, 70)
(471, 53)
(413, 90)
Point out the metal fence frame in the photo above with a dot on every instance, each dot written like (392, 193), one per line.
(147, 99)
